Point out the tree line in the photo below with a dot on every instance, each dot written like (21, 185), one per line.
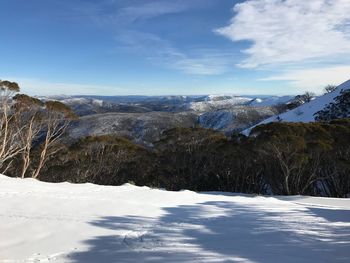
(277, 158)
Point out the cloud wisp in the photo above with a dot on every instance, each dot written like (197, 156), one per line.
(290, 31)
(123, 13)
(122, 18)
(162, 52)
(313, 79)
(42, 87)
(130, 14)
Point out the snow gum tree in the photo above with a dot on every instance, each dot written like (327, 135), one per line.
(29, 122)
(10, 144)
(56, 117)
(25, 123)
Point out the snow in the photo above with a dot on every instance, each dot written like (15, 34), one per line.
(213, 102)
(270, 101)
(77, 101)
(217, 120)
(305, 112)
(229, 120)
(41, 222)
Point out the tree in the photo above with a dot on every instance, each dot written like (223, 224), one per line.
(187, 157)
(287, 154)
(103, 155)
(307, 96)
(330, 88)
(9, 135)
(56, 118)
(29, 122)
(105, 159)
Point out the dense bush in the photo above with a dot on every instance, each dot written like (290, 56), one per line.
(105, 159)
(278, 158)
(299, 158)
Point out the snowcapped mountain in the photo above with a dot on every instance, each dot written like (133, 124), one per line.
(87, 105)
(215, 102)
(307, 111)
(144, 118)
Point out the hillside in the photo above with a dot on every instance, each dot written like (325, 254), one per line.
(307, 111)
(234, 118)
(42, 222)
(140, 127)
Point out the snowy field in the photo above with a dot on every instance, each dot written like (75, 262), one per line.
(41, 222)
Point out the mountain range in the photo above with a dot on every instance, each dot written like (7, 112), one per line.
(144, 118)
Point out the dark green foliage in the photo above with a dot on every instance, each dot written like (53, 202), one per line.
(299, 157)
(106, 160)
(26, 101)
(185, 157)
(60, 108)
(8, 85)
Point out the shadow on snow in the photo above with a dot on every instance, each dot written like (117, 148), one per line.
(237, 233)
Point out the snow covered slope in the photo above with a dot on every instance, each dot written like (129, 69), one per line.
(236, 118)
(41, 222)
(218, 102)
(305, 112)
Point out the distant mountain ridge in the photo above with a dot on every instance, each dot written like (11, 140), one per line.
(143, 118)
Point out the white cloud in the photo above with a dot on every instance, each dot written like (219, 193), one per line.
(290, 31)
(313, 79)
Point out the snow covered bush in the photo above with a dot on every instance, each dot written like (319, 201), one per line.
(338, 109)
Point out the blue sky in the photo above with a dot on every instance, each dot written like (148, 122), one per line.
(162, 47)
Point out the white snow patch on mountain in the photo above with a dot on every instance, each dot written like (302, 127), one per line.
(214, 102)
(270, 101)
(63, 222)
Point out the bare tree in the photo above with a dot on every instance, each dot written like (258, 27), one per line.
(285, 161)
(103, 159)
(56, 118)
